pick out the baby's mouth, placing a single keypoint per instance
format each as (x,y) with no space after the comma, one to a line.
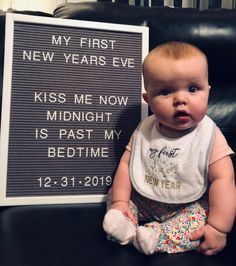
(181,116)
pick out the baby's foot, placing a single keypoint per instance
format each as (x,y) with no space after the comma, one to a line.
(119,227)
(147,238)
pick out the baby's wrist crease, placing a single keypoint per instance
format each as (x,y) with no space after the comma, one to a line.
(219,230)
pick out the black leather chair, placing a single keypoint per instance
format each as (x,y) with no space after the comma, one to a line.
(72,235)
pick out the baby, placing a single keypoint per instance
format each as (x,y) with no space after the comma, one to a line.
(175,181)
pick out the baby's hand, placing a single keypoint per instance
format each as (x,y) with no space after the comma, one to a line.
(214,240)
(124,208)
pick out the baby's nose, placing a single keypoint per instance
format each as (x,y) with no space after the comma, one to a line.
(180,98)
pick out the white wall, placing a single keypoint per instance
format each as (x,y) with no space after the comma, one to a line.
(37,5)
(5,4)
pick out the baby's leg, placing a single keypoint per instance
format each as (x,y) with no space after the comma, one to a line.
(172,236)
(119,227)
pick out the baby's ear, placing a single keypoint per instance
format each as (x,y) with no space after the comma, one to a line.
(145,97)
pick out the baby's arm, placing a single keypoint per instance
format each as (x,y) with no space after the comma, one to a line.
(222,198)
(121,188)
(222,206)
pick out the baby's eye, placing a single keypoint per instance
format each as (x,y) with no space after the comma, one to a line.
(165,92)
(193,89)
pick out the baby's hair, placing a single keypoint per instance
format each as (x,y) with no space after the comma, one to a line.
(177,50)
(173,50)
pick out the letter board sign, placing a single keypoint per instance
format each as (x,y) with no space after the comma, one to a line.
(71,100)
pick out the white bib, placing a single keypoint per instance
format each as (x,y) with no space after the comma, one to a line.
(171,170)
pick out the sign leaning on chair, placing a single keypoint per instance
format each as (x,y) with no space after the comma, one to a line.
(71,99)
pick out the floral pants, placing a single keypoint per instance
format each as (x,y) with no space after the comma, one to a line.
(174,221)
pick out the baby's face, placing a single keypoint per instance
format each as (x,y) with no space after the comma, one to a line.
(177,91)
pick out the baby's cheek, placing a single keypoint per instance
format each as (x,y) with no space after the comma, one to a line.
(200,114)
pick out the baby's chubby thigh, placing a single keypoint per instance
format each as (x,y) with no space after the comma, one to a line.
(176,230)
